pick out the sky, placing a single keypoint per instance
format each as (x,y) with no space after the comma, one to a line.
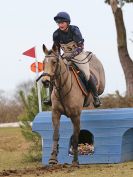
(28,23)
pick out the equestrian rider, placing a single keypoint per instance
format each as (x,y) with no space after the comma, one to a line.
(69,38)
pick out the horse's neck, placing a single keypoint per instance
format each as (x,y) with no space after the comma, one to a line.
(64,80)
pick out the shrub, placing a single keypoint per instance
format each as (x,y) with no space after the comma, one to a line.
(116,101)
(30,107)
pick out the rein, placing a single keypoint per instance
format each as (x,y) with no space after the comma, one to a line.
(61,85)
(77,61)
(56,69)
(58,75)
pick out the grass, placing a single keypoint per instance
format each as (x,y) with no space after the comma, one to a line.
(12,149)
(13,146)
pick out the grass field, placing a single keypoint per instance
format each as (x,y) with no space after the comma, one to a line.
(13,146)
(12,149)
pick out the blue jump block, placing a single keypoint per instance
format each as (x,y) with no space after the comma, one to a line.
(111,131)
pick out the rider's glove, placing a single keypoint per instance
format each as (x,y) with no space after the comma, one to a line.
(76,52)
(68,58)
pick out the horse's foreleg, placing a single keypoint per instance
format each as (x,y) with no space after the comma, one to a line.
(55,148)
(76,131)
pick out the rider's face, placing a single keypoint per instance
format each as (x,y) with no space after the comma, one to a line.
(63,26)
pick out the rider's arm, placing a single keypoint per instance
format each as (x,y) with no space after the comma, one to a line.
(78,49)
(77,37)
(56,40)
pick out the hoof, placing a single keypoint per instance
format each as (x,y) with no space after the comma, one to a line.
(75,164)
(53,161)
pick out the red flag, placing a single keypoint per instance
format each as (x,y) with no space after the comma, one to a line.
(30,52)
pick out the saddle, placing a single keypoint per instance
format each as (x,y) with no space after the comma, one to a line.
(81,79)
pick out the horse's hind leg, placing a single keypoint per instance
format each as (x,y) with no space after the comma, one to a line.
(56,124)
(76,131)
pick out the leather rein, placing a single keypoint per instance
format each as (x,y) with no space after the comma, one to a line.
(58,75)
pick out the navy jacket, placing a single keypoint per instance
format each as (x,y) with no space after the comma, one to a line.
(73,34)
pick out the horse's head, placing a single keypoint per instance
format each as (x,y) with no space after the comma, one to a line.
(51,62)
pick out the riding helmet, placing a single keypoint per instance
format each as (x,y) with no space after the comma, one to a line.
(62,17)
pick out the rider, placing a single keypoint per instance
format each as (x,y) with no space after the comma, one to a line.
(69,38)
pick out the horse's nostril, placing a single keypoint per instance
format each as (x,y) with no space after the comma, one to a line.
(46,83)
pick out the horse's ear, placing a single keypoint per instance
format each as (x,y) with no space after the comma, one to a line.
(55,48)
(45,50)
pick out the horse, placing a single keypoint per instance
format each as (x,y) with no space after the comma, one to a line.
(67,97)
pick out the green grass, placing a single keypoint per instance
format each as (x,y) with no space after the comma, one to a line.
(13,146)
(12,149)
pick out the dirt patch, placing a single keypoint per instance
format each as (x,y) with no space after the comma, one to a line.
(36,171)
(100,170)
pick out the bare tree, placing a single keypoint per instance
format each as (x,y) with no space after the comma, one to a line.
(10,109)
(125,59)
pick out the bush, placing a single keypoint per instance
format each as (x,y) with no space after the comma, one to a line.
(116,101)
(10,109)
(30,107)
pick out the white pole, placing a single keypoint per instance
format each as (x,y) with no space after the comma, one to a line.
(38,87)
(47,92)
(38,91)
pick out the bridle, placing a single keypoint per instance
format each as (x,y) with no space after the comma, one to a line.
(57,76)
(57,72)
(60,86)
(46,74)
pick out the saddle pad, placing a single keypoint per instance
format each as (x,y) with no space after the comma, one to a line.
(79,81)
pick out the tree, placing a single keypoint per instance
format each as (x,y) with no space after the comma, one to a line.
(10,109)
(125,59)
(30,107)
(25,87)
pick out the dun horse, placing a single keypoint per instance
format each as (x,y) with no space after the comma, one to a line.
(67,97)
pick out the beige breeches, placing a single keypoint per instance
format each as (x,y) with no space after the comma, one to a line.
(85,69)
(83,65)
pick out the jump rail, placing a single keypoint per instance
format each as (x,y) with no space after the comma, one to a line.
(111,130)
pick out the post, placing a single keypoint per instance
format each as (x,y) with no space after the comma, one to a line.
(38,87)
(47,93)
(38,92)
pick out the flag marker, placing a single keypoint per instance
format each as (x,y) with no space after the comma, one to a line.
(35,67)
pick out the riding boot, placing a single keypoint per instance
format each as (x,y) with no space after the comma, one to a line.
(47,100)
(93,89)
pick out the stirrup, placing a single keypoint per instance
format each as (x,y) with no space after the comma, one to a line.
(97,101)
(47,102)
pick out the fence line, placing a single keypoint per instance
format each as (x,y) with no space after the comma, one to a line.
(14,124)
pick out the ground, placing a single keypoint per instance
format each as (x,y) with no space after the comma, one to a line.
(13,146)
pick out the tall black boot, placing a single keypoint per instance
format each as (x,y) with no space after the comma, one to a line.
(92,87)
(47,101)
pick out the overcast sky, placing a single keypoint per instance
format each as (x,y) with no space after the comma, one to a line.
(28,23)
